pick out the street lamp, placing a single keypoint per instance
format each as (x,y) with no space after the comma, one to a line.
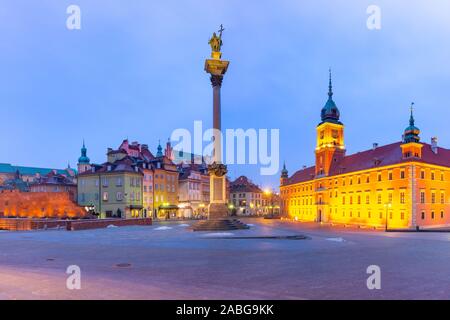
(387,206)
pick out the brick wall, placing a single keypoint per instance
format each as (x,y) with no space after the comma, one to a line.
(39,205)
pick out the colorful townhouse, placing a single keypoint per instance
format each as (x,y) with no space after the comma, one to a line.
(132,183)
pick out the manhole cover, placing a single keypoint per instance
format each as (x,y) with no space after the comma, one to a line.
(123,265)
(50,259)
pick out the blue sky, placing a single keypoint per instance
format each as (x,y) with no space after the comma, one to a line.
(135,70)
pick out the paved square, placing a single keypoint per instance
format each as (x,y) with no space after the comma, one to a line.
(168,261)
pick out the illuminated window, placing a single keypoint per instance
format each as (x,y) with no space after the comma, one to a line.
(359,199)
(379,199)
(367,199)
(369,215)
(442,197)
(402,216)
(105,196)
(390,197)
(433,197)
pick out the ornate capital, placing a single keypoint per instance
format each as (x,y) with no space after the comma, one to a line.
(216,80)
(217,169)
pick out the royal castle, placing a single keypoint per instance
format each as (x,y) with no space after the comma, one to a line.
(403,185)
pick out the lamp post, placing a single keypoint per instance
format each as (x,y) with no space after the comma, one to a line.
(387,206)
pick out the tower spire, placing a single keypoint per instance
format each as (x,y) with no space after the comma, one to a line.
(411,118)
(330,85)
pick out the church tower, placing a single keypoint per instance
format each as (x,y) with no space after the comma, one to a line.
(411,146)
(284,175)
(330,136)
(168,151)
(83,161)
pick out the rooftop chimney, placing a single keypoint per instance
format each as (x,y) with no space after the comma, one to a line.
(375,146)
(434,145)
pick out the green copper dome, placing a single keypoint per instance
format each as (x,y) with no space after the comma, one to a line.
(159,153)
(411,132)
(330,112)
(84,158)
(284,172)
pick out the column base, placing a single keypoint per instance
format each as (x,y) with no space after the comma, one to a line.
(217,211)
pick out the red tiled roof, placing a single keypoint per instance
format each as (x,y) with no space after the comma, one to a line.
(243,184)
(379,157)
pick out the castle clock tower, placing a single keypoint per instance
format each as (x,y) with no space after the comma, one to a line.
(330,136)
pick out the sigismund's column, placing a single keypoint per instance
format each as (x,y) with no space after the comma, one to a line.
(217,68)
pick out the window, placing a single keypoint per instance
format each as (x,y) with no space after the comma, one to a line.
(433,197)
(402,216)
(422,174)
(442,214)
(379,199)
(402,197)
(442,197)
(432,214)
(390,175)
(367,199)
(119,196)
(119,182)
(343,200)
(359,199)
(379,176)
(367,179)
(390,197)
(432,175)
(422,196)
(105,196)
(402,174)
(423,215)
(105,182)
